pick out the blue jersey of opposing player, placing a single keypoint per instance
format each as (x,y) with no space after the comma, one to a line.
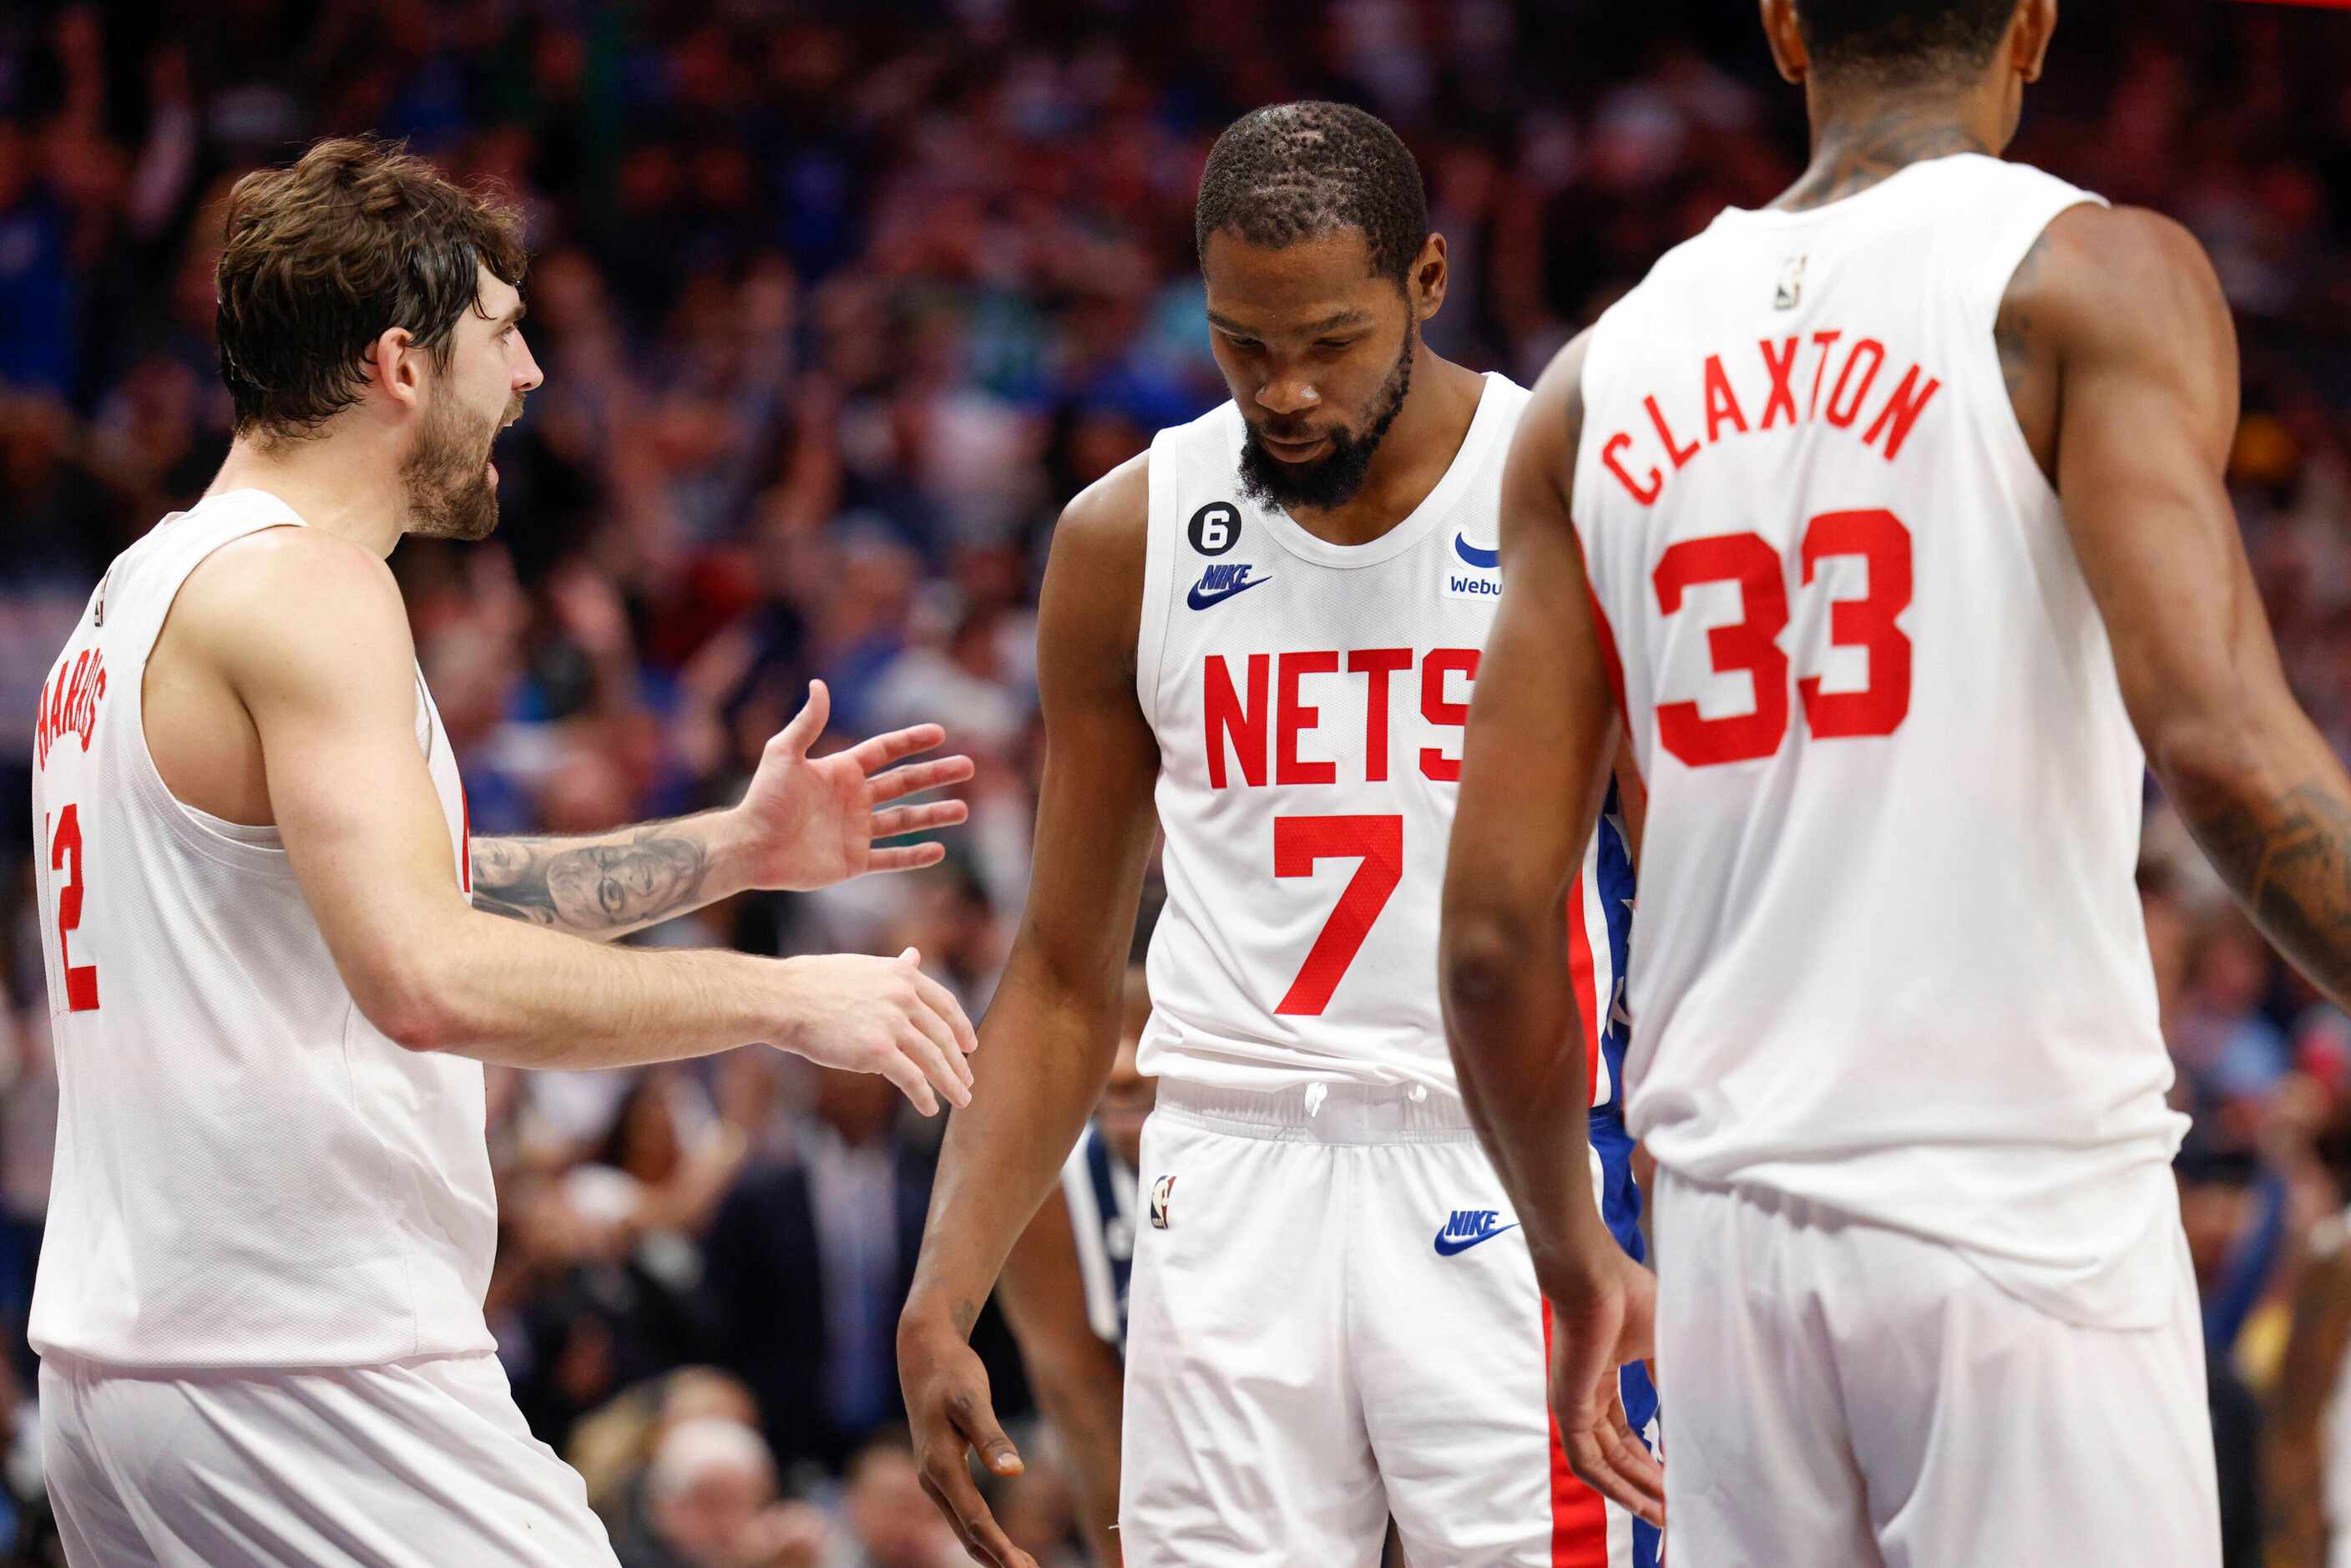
(1099,1189)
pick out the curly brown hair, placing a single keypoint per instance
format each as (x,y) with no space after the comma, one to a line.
(322,258)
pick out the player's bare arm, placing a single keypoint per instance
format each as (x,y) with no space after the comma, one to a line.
(2294,1439)
(1079,1384)
(2122,361)
(1053,1026)
(1535,769)
(806,821)
(305,634)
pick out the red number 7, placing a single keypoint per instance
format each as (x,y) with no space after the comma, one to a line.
(1297,843)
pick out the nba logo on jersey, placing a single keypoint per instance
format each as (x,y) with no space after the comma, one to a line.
(1159,1191)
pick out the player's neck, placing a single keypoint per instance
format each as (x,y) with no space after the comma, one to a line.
(1419,448)
(341,484)
(1861,137)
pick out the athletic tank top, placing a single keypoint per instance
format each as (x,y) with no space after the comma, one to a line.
(1891,953)
(1309,700)
(248,1172)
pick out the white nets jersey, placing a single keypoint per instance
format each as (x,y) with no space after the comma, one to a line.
(1309,700)
(248,1173)
(1892,957)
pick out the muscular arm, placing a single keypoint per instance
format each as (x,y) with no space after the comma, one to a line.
(2120,311)
(1534,770)
(1078,1381)
(1052,1030)
(308,634)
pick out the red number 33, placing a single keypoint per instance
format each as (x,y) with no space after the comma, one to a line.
(1752,643)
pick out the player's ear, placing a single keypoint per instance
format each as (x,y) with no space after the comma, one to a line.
(1426,287)
(2028,36)
(1787,40)
(395,364)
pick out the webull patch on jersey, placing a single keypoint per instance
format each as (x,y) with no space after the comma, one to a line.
(1473,573)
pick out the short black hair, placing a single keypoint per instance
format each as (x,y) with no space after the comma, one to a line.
(1295,172)
(1903,40)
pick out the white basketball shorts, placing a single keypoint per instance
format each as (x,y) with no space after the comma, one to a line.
(1332,1318)
(419,1464)
(1864,1396)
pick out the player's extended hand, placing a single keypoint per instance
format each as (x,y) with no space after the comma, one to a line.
(865,1014)
(949,1406)
(811,821)
(1603,1317)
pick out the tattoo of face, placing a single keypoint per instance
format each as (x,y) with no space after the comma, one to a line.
(2290,861)
(597,886)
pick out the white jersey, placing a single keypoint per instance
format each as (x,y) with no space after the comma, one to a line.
(1309,700)
(248,1172)
(1892,957)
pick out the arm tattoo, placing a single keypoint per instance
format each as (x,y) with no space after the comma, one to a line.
(591,886)
(2289,859)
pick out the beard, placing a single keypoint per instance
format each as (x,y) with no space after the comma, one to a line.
(1333,480)
(444,484)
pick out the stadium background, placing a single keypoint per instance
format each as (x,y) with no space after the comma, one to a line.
(837,303)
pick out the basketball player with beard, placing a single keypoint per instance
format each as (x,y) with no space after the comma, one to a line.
(275,957)
(1268,626)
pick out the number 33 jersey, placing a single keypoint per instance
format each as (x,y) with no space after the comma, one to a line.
(1892,955)
(1309,700)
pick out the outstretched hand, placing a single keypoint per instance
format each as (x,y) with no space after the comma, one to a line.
(811,821)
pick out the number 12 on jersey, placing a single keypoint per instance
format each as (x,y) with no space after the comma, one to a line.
(1751,644)
(65,856)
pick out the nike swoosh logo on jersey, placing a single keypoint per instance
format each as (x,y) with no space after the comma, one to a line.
(1485,559)
(1463,1231)
(1220,583)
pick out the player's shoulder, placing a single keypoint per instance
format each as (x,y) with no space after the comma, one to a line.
(1108,521)
(288,598)
(2092,252)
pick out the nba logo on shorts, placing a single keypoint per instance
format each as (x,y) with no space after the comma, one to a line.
(1160,1190)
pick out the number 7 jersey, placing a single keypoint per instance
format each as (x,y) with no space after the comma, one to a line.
(1892,955)
(1309,700)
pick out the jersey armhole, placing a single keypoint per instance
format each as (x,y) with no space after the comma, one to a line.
(1151,624)
(1999,270)
(192,826)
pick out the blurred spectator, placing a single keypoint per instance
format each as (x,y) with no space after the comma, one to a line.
(710,1503)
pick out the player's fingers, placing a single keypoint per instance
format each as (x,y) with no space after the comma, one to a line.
(982,1536)
(977,1420)
(900,1070)
(883,749)
(936,1062)
(920,818)
(942,1002)
(1628,1459)
(808,723)
(912,857)
(916,776)
(941,1036)
(947,1511)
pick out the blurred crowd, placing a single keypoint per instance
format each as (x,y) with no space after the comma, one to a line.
(837,304)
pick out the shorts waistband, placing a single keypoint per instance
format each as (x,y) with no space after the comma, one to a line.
(1323,1113)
